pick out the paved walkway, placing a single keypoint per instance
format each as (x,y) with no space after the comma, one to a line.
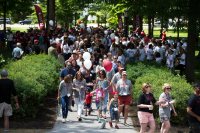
(89,124)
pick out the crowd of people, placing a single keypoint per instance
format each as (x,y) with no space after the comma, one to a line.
(85,54)
(136,47)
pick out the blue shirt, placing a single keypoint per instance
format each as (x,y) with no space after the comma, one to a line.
(17,52)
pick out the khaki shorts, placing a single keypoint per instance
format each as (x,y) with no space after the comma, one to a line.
(5,109)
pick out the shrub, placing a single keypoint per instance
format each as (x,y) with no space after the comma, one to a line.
(181,90)
(35,76)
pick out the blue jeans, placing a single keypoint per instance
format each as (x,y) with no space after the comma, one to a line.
(65,105)
(105,101)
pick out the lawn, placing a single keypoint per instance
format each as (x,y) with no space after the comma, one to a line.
(170,32)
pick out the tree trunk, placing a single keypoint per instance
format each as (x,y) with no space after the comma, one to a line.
(141,22)
(134,22)
(162,23)
(178,27)
(149,25)
(47,20)
(51,12)
(152,26)
(4,22)
(97,20)
(192,29)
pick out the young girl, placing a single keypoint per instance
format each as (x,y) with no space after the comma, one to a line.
(99,101)
(113,107)
(88,102)
(64,93)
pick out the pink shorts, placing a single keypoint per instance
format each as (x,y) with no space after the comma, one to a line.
(145,117)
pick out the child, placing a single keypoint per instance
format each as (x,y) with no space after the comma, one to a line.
(158,58)
(113,107)
(99,101)
(88,102)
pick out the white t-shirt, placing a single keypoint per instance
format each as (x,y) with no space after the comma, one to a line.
(131,52)
(182,59)
(10,37)
(159,60)
(149,54)
(124,87)
(142,54)
(170,60)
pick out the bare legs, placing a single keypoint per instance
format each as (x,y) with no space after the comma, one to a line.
(6,123)
(126,108)
(165,127)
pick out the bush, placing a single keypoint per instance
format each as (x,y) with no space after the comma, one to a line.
(34,76)
(157,76)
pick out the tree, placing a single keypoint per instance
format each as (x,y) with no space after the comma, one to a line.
(194,9)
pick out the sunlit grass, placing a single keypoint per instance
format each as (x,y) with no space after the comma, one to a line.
(170,32)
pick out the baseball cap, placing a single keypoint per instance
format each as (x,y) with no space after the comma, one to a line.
(74,52)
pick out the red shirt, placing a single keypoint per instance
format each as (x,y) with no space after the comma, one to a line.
(88,98)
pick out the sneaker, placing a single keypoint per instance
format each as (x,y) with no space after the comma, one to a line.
(79,119)
(110,123)
(103,125)
(70,110)
(126,124)
(63,120)
(99,121)
(116,127)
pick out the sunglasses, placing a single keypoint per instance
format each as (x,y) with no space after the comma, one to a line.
(168,88)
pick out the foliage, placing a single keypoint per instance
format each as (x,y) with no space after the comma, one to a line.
(1,60)
(148,73)
(66,10)
(114,12)
(35,76)
(17,9)
(43,7)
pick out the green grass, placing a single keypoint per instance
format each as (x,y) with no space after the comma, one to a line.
(21,29)
(196,53)
(170,32)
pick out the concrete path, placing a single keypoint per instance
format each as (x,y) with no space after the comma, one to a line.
(89,124)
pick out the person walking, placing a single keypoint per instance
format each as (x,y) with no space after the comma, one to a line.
(124,89)
(193,109)
(7,89)
(145,105)
(64,94)
(113,107)
(165,108)
(103,83)
(79,88)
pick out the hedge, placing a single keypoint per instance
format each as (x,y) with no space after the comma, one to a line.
(140,73)
(34,76)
